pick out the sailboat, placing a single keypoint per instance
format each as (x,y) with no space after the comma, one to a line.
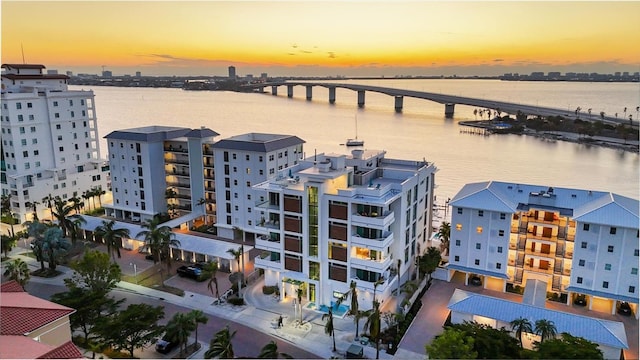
(355,142)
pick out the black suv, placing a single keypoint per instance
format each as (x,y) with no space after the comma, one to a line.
(190,272)
(624,309)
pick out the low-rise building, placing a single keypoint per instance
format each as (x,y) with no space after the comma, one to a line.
(580,242)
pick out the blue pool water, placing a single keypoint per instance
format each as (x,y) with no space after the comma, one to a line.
(338,311)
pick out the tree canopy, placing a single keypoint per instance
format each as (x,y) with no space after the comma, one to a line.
(94,271)
(568,347)
(452,344)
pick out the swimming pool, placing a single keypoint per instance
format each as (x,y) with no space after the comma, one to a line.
(338,311)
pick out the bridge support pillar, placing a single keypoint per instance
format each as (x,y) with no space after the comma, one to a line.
(274,90)
(332,95)
(361,98)
(309,92)
(448,110)
(399,101)
(290,91)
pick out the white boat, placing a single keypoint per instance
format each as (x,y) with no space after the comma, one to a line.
(355,142)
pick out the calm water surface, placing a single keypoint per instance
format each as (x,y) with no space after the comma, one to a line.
(419,132)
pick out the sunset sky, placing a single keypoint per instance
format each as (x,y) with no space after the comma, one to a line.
(323,38)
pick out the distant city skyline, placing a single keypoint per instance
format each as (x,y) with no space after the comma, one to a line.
(356,38)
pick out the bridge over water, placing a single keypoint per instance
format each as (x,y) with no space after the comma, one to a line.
(449,101)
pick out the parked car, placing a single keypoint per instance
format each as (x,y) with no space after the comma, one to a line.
(474,280)
(580,300)
(189,271)
(624,309)
(165,346)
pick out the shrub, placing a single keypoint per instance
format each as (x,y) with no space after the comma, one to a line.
(268,290)
(236,301)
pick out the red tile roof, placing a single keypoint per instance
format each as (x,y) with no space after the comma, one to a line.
(11,286)
(21,347)
(67,350)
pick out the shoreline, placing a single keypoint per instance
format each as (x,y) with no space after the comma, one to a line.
(608,142)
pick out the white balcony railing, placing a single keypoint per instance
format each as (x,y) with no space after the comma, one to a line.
(378,222)
(265,243)
(378,244)
(369,264)
(267,263)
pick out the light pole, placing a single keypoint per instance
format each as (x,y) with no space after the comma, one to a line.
(135,271)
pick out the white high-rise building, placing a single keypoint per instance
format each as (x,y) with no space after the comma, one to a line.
(241,162)
(580,242)
(161,169)
(50,144)
(333,219)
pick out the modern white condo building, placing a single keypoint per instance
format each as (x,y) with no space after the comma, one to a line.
(580,242)
(161,169)
(50,144)
(332,219)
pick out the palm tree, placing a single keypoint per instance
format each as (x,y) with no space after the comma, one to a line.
(236,255)
(112,237)
(179,328)
(87,196)
(159,239)
(221,346)
(521,325)
(379,282)
(444,232)
(212,269)
(546,329)
(18,270)
(62,212)
(99,192)
(198,317)
(34,206)
(36,229)
(328,327)
(270,351)
(74,227)
(8,242)
(54,246)
(373,325)
(48,201)
(299,295)
(354,309)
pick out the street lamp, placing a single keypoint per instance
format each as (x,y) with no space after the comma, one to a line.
(135,271)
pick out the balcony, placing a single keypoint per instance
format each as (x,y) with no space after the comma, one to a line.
(272,224)
(181,173)
(540,253)
(179,184)
(370,264)
(266,205)
(267,260)
(175,150)
(368,285)
(377,244)
(264,242)
(536,269)
(373,219)
(173,160)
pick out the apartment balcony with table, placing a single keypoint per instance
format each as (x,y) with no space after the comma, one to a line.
(268,260)
(378,240)
(370,259)
(271,242)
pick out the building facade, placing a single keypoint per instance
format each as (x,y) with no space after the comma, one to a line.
(241,162)
(333,219)
(50,143)
(580,242)
(161,169)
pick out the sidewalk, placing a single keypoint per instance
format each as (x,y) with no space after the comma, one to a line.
(260,313)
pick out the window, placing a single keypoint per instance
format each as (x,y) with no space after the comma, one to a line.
(477,262)
(479,229)
(23,142)
(613,230)
(25,153)
(55,103)
(585,227)
(503,216)
(459,210)
(61,148)
(456,258)
(610,248)
(605,284)
(581,262)
(500,232)
(457,242)
(235,169)
(635,252)
(31,117)
(478,246)
(458,227)
(634,271)
(56,115)
(247,157)
(36,152)
(607,266)
(233,156)
(33,129)
(248,183)
(20,118)
(29,105)
(498,266)
(632,289)
(18,106)
(583,245)
(579,280)
(481,213)
(34,141)
(260,158)
(500,249)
